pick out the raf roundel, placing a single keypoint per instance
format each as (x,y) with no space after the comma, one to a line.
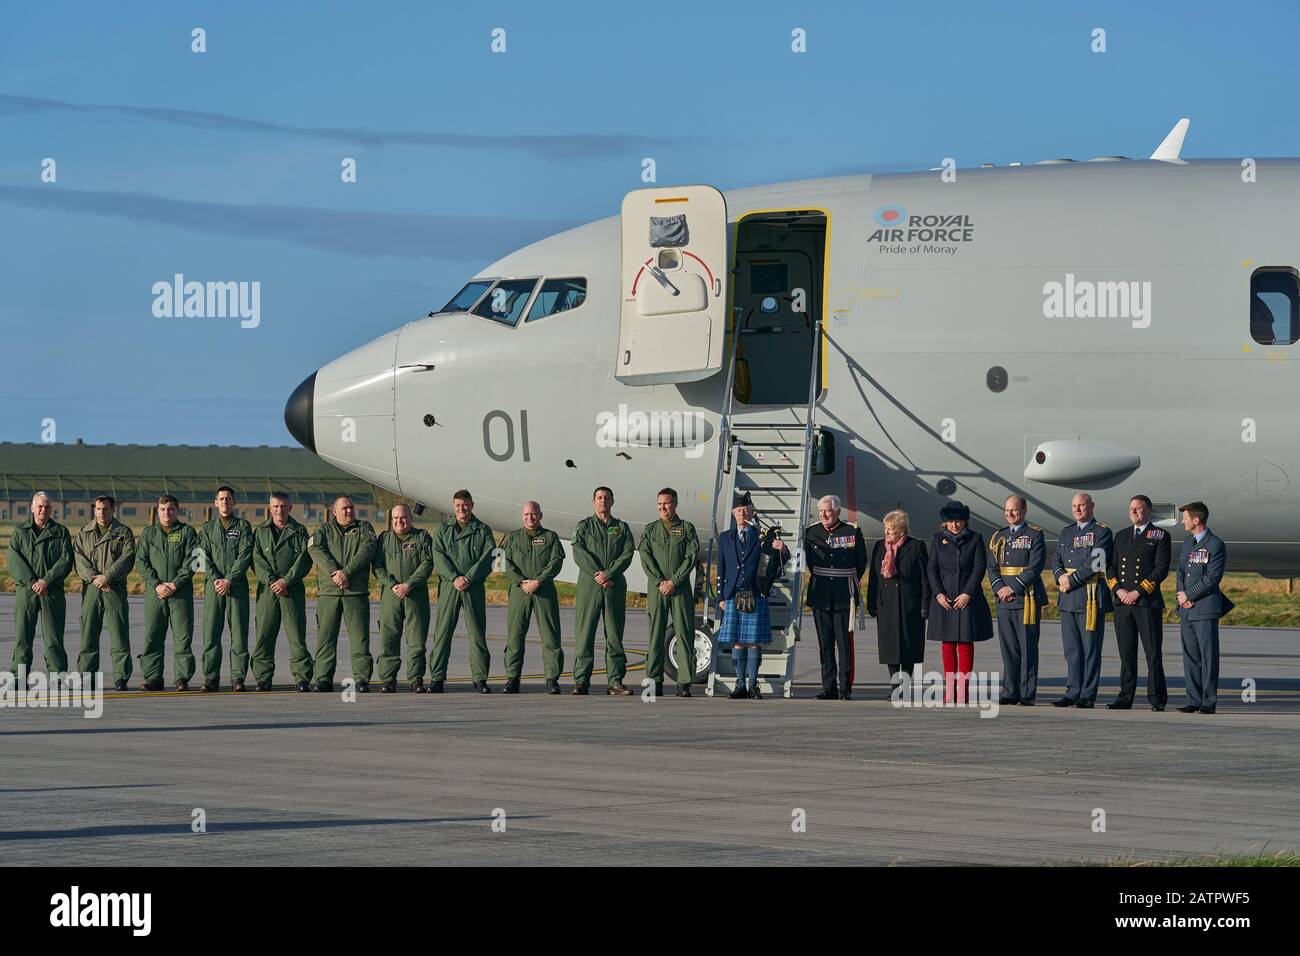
(890,216)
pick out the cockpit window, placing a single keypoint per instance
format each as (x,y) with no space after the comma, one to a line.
(505,303)
(464,300)
(558,295)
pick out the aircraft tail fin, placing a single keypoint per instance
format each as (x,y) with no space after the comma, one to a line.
(1172,144)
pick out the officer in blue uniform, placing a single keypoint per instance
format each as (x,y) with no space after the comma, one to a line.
(1017,555)
(1138,564)
(1082,554)
(1200,605)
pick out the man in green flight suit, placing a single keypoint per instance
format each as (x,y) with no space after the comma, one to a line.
(669,548)
(227,543)
(166,558)
(342,550)
(104,551)
(280,565)
(403,562)
(40,558)
(603,547)
(533,557)
(462,556)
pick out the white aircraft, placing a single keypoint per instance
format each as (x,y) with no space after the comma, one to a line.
(1112,326)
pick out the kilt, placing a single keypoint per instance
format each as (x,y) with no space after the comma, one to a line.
(754,627)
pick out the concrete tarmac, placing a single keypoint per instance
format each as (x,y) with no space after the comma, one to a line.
(304,779)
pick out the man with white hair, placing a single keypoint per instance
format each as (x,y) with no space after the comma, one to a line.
(40,558)
(836,556)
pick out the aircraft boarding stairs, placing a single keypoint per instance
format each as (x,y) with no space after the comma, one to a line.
(767,452)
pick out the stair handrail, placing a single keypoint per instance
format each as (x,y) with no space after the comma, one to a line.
(724,452)
(805,481)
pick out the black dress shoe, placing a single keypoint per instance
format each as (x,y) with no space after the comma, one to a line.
(1027,702)
(119,684)
(1064,702)
(512,685)
(363,687)
(1188,709)
(1207,710)
(303,687)
(266,685)
(740,693)
(388,687)
(683,690)
(659,688)
(1120,705)
(324,686)
(581,690)
(829,695)
(755,693)
(182,685)
(482,687)
(552,687)
(210,685)
(237,685)
(417,686)
(152,684)
(1085,704)
(1008,701)
(435,687)
(1158,707)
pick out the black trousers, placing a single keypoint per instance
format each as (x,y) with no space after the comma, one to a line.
(1132,622)
(835,640)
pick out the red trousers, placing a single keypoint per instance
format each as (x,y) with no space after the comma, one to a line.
(958,662)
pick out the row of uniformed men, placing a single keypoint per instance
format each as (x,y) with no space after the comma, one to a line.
(345,551)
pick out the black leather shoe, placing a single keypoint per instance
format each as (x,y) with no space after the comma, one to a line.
(363,687)
(1158,707)
(1189,709)
(755,693)
(417,686)
(1008,701)
(152,684)
(482,687)
(435,687)
(829,695)
(1027,702)
(683,690)
(1207,710)
(581,690)
(1120,705)
(388,687)
(1064,702)
(266,685)
(512,685)
(237,685)
(182,685)
(659,688)
(210,685)
(740,693)
(552,687)
(119,684)
(1085,704)
(324,686)
(846,695)
(303,687)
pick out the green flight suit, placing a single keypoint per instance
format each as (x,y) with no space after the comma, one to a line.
(608,548)
(111,552)
(538,556)
(168,554)
(281,553)
(668,553)
(462,550)
(348,549)
(40,554)
(228,551)
(403,559)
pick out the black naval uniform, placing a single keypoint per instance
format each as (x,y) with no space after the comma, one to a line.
(1139,562)
(837,560)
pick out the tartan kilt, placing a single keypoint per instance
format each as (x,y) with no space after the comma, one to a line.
(752,628)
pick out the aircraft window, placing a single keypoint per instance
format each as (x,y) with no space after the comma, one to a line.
(1275,306)
(464,300)
(505,303)
(558,295)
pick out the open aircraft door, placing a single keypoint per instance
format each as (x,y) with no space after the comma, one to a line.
(674,285)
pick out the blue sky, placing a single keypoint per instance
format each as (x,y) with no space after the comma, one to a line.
(225,165)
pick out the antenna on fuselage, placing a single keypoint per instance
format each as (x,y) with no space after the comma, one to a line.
(1172,144)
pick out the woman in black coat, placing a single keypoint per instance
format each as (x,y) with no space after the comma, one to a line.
(959,615)
(898,595)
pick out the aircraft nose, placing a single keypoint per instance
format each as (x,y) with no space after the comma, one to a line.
(299,411)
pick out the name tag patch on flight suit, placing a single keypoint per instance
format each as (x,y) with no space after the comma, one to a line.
(676,531)
(538,541)
(408,546)
(232,533)
(174,537)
